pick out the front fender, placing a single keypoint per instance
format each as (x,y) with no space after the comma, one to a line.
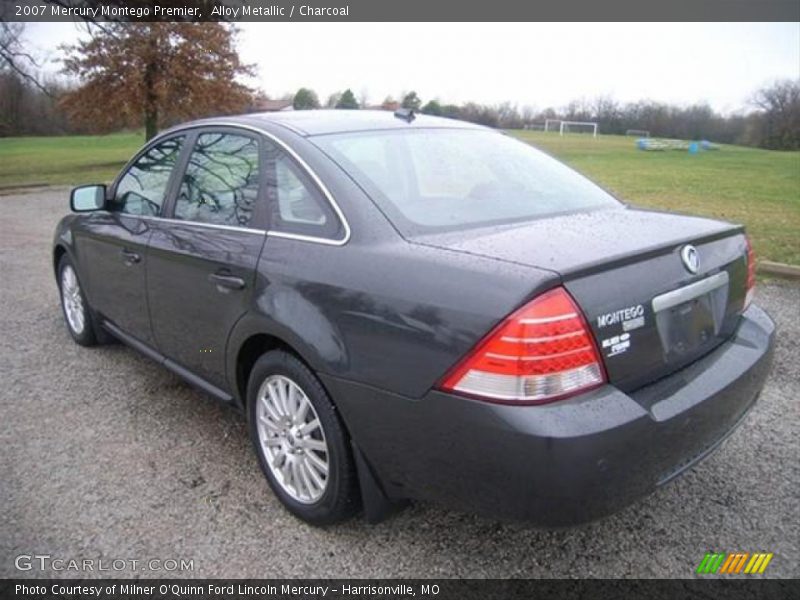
(62,241)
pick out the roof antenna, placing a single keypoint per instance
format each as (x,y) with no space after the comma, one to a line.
(407,114)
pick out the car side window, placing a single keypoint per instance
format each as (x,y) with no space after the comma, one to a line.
(296,205)
(221,182)
(143,188)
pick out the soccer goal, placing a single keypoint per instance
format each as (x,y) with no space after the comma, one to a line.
(556,123)
(578,126)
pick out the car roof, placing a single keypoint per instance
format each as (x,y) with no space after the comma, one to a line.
(320,122)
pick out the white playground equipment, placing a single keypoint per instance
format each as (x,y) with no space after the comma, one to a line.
(564,126)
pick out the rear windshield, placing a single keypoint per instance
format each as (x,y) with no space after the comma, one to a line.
(428,180)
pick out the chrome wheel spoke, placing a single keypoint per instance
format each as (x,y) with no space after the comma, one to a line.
(307,481)
(282,399)
(312,444)
(274,400)
(269,424)
(271,415)
(299,484)
(317,462)
(301,413)
(309,427)
(293,402)
(312,473)
(288,477)
(292,439)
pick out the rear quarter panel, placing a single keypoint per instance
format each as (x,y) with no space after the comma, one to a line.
(394,316)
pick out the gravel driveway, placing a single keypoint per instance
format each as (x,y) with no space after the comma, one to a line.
(107,455)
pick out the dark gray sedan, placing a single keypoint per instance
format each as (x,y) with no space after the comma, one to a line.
(419,308)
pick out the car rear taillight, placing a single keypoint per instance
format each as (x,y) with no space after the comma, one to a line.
(542,352)
(751,274)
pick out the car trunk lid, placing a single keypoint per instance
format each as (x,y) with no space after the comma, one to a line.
(649,313)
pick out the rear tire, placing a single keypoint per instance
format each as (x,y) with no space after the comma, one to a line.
(301,445)
(77,313)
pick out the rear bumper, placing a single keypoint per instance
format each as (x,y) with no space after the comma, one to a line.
(561,463)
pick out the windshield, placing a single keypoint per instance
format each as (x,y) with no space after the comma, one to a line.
(428,180)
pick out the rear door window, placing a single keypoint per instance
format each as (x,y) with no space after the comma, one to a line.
(221,183)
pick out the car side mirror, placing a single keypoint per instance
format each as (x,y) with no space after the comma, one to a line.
(87,198)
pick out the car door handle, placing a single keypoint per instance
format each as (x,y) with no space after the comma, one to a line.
(226,282)
(130,257)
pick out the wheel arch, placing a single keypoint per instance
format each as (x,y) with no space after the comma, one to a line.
(58,253)
(248,352)
(251,337)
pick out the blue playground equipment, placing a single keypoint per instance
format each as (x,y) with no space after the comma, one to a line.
(661,144)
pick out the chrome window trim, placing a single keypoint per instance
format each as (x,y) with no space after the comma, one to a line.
(202,224)
(303,164)
(689,292)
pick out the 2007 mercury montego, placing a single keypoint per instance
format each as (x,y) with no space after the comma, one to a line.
(420,308)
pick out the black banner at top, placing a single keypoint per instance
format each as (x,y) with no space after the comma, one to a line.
(400,10)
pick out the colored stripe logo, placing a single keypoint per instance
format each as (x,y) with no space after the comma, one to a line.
(734,563)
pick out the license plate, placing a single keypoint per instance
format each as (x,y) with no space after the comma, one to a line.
(689,318)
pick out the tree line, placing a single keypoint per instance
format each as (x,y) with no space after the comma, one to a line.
(153,75)
(773,122)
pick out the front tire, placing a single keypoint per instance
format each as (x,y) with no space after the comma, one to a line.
(77,314)
(300,443)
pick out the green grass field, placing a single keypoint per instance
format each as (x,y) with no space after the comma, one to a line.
(756,187)
(67,160)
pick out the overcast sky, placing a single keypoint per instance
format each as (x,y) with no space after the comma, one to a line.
(537,64)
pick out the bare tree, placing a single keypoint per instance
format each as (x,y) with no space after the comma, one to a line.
(15,57)
(779,105)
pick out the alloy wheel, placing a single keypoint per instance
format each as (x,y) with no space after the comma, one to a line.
(72,300)
(292,439)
